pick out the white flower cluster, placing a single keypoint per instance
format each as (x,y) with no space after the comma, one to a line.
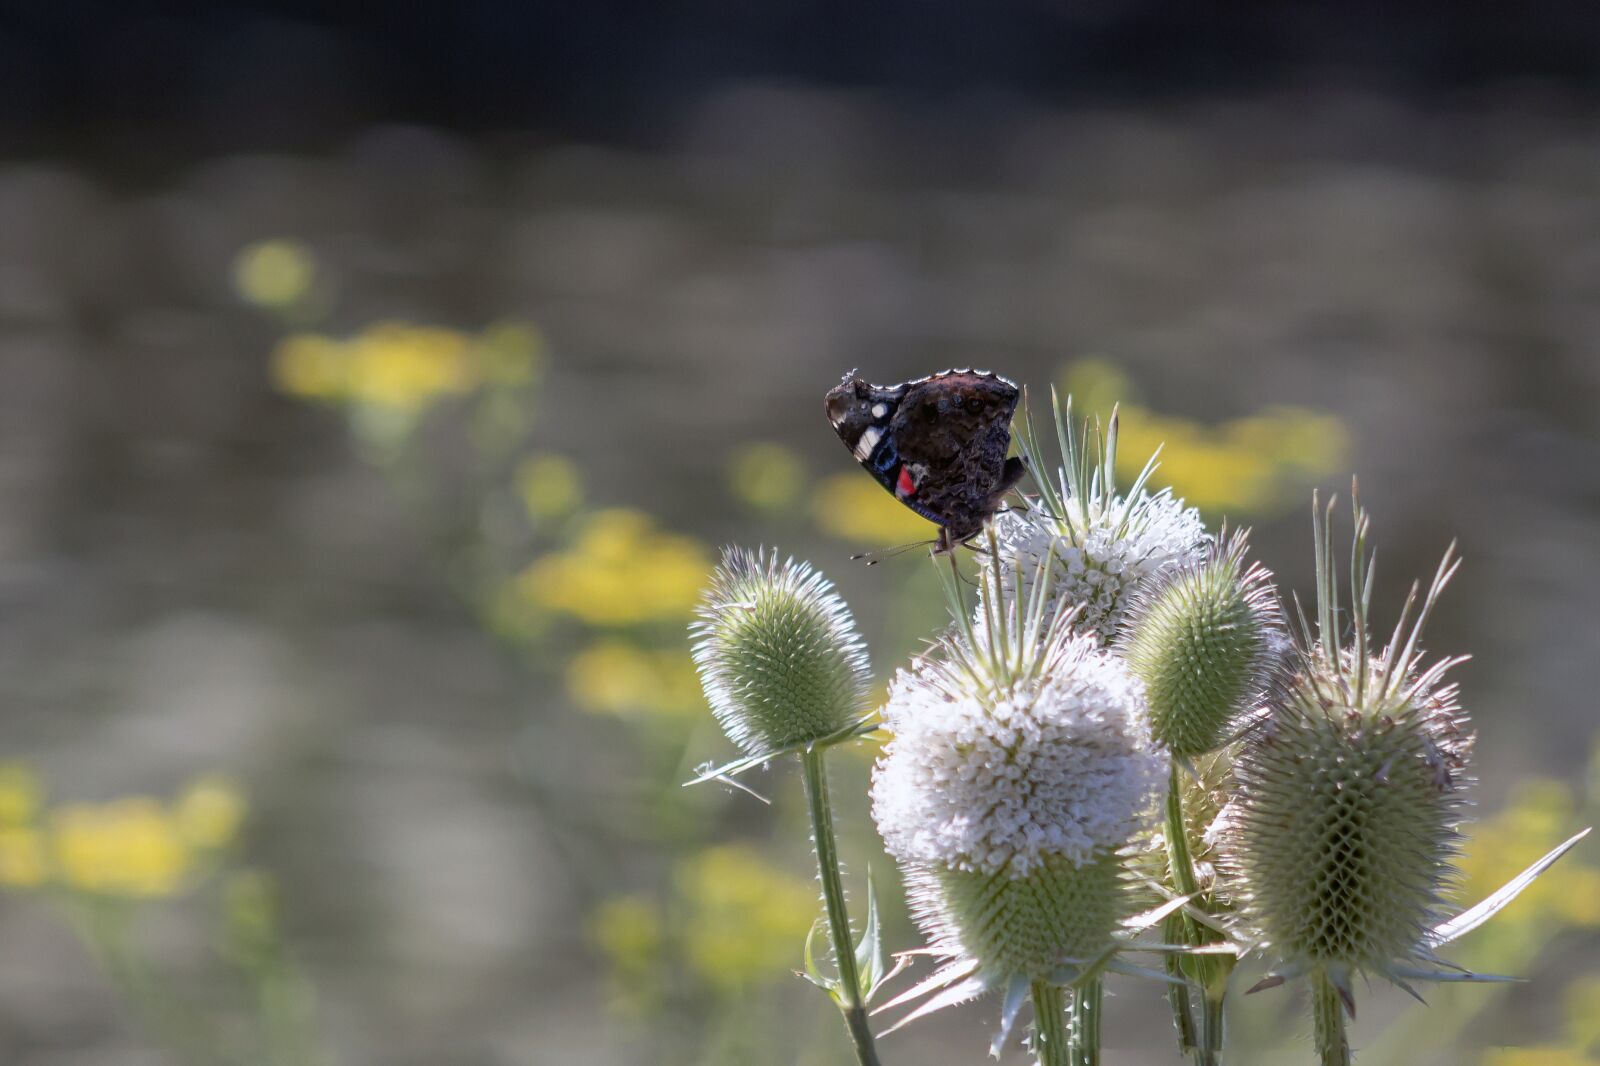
(990,776)
(1097,565)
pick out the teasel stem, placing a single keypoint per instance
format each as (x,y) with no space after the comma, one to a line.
(1200,1033)
(1086,1004)
(855,1012)
(1051,1041)
(1327,1019)
(1175,930)
(1209,1051)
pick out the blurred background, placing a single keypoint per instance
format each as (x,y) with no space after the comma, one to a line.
(376,390)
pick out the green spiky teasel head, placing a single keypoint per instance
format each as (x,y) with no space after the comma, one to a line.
(1098,546)
(1344,828)
(1205,638)
(1026,925)
(778,653)
(1019,769)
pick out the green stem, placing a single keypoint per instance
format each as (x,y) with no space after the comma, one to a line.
(104,927)
(1327,1019)
(855,1011)
(283,1002)
(1175,930)
(1178,860)
(1209,1050)
(1199,1025)
(1086,1003)
(1050,1038)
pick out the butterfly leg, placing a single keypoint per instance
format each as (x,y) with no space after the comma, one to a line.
(1010,475)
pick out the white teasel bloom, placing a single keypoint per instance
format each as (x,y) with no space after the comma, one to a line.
(990,774)
(1099,547)
(1021,766)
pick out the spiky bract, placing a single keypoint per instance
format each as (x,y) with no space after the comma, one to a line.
(1204,639)
(1097,546)
(1346,821)
(1028,926)
(1206,803)
(1350,793)
(778,652)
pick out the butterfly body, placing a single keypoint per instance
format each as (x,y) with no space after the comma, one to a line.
(938,443)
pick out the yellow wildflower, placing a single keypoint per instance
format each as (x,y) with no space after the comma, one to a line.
(614,677)
(628,929)
(747,920)
(510,353)
(400,366)
(1498,848)
(394,366)
(309,365)
(630,932)
(22,857)
(19,794)
(209,813)
(1096,385)
(854,507)
(549,486)
(129,847)
(1579,902)
(274,274)
(620,571)
(1250,465)
(767,477)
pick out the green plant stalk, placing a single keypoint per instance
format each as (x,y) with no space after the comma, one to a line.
(283,1002)
(1086,1004)
(849,993)
(103,924)
(1175,930)
(1051,1043)
(1327,1020)
(1199,1031)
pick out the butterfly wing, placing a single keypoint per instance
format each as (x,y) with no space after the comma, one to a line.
(862,414)
(938,444)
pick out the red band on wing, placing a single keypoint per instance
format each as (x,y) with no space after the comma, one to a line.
(905,486)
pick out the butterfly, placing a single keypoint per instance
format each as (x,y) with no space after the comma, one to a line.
(938,443)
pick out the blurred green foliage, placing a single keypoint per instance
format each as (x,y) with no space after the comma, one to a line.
(103,865)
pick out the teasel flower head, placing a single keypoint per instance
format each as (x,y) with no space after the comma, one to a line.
(1206,638)
(1342,836)
(1098,545)
(779,657)
(1020,768)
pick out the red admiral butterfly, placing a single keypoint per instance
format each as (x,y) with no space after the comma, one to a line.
(938,443)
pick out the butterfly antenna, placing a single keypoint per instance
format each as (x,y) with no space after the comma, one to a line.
(875,557)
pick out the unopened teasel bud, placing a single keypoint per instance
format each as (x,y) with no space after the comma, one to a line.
(778,652)
(1205,640)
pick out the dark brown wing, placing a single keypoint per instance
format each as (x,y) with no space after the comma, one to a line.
(951,433)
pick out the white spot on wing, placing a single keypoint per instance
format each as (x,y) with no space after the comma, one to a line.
(869,440)
(879,410)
